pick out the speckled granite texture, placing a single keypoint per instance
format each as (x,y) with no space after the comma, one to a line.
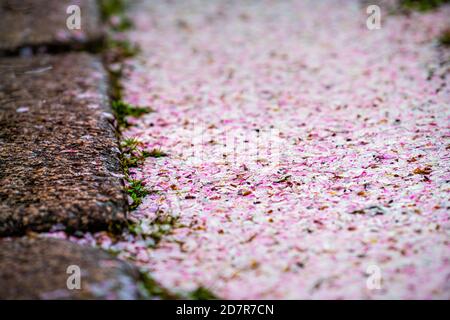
(36,268)
(59,156)
(43,22)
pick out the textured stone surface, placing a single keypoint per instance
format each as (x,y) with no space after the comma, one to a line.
(59,164)
(43,22)
(36,268)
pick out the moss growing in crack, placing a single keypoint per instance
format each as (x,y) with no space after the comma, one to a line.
(155,153)
(137,191)
(124,24)
(121,49)
(130,144)
(161,226)
(202,293)
(130,161)
(115,8)
(123,110)
(111,8)
(421,5)
(133,156)
(152,289)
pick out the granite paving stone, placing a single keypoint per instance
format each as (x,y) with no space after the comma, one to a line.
(35,23)
(59,155)
(42,268)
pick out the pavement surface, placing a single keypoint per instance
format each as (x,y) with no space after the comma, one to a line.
(308,156)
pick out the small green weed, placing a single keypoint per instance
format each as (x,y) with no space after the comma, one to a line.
(137,191)
(123,110)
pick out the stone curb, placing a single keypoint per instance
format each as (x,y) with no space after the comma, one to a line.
(42,268)
(43,23)
(59,156)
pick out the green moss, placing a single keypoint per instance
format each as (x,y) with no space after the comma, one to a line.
(115,8)
(155,153)
(162,226)
(133,156)
(202,293)
(124,24)
(130,144)
(121,49)
(422,5)
(111,8)
(130,161)
(137,191)
(123,110)
(152,289)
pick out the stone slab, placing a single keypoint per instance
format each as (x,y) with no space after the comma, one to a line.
(37,268)
(59,156)
(43,23)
